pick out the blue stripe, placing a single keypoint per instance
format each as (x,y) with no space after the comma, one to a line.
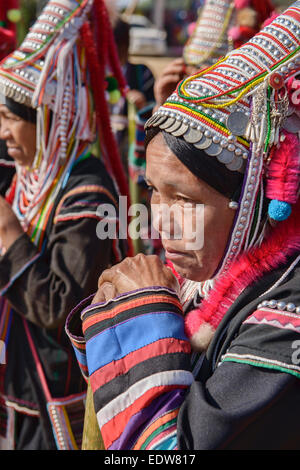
(81,357)
(169,443)
(117,342)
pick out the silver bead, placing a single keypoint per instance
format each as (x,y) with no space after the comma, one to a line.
(291,307)
(233,205)
(272,303)
(297,309)
(281,305)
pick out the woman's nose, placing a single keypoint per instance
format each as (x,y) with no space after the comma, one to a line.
(4,132)
(165,220)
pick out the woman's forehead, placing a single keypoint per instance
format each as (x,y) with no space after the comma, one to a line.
(3,108)
(162,163)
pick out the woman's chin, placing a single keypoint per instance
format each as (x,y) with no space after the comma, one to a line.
(193,273)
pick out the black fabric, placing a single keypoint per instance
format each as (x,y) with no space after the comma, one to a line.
(47,289)
(6,172)
(30,434)
(240,406)
(19,109)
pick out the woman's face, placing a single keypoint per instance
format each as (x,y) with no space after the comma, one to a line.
(20,137)
(172,184)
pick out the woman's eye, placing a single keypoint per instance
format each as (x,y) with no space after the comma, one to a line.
(180,197)
(151,189)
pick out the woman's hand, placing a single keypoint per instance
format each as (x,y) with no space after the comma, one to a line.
(137,98)
(134,273)
(10,227)
(167,82)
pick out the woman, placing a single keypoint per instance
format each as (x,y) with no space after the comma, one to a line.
(50,253)
(202,354)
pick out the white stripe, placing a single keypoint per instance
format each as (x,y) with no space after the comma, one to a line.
(261,359)
(7,163)
(126,399)
(282,278)
(22,409)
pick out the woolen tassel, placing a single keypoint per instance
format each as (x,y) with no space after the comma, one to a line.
(106,44)
(284,170)
(102,111)
(241,3)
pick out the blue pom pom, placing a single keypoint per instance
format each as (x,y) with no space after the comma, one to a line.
(279,210)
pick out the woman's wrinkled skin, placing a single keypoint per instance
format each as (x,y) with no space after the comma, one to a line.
(19,135)
(172,183)
(20,138)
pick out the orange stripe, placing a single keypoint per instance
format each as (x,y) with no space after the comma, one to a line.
(86,188)
(5,326)
(159,422)
(90,321)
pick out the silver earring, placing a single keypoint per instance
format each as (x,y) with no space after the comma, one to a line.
(233,205)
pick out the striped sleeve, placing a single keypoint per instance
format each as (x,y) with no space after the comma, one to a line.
(138,360)
(83,201)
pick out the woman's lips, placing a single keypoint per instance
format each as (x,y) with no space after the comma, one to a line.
(12,151)
(173,254)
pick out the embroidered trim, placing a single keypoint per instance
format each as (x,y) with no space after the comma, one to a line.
(275,318)
(22,409)
(261,362)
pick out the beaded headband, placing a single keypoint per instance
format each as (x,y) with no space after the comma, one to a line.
(217,110)
(224,25)
(21,73)
(60,71)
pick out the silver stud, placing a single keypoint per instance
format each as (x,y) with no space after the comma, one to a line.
(291,307)
(281,305)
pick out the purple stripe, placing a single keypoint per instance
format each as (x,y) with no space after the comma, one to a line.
(139,422)
(72,313)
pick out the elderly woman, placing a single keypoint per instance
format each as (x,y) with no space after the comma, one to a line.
(204,353)
(50,255)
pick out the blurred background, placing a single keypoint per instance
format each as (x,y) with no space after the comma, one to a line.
(158,28)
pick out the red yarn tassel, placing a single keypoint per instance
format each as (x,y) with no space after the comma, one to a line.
(98,84)
(101,107)
(284,171)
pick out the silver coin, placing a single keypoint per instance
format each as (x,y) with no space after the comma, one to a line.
(181,130)
(168,123)
(149,122)
(193,136)
(159,121)
(156,118)
(213,150)
(236,164)
(175,126)
(225,156)
(237,123)
(204,143)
